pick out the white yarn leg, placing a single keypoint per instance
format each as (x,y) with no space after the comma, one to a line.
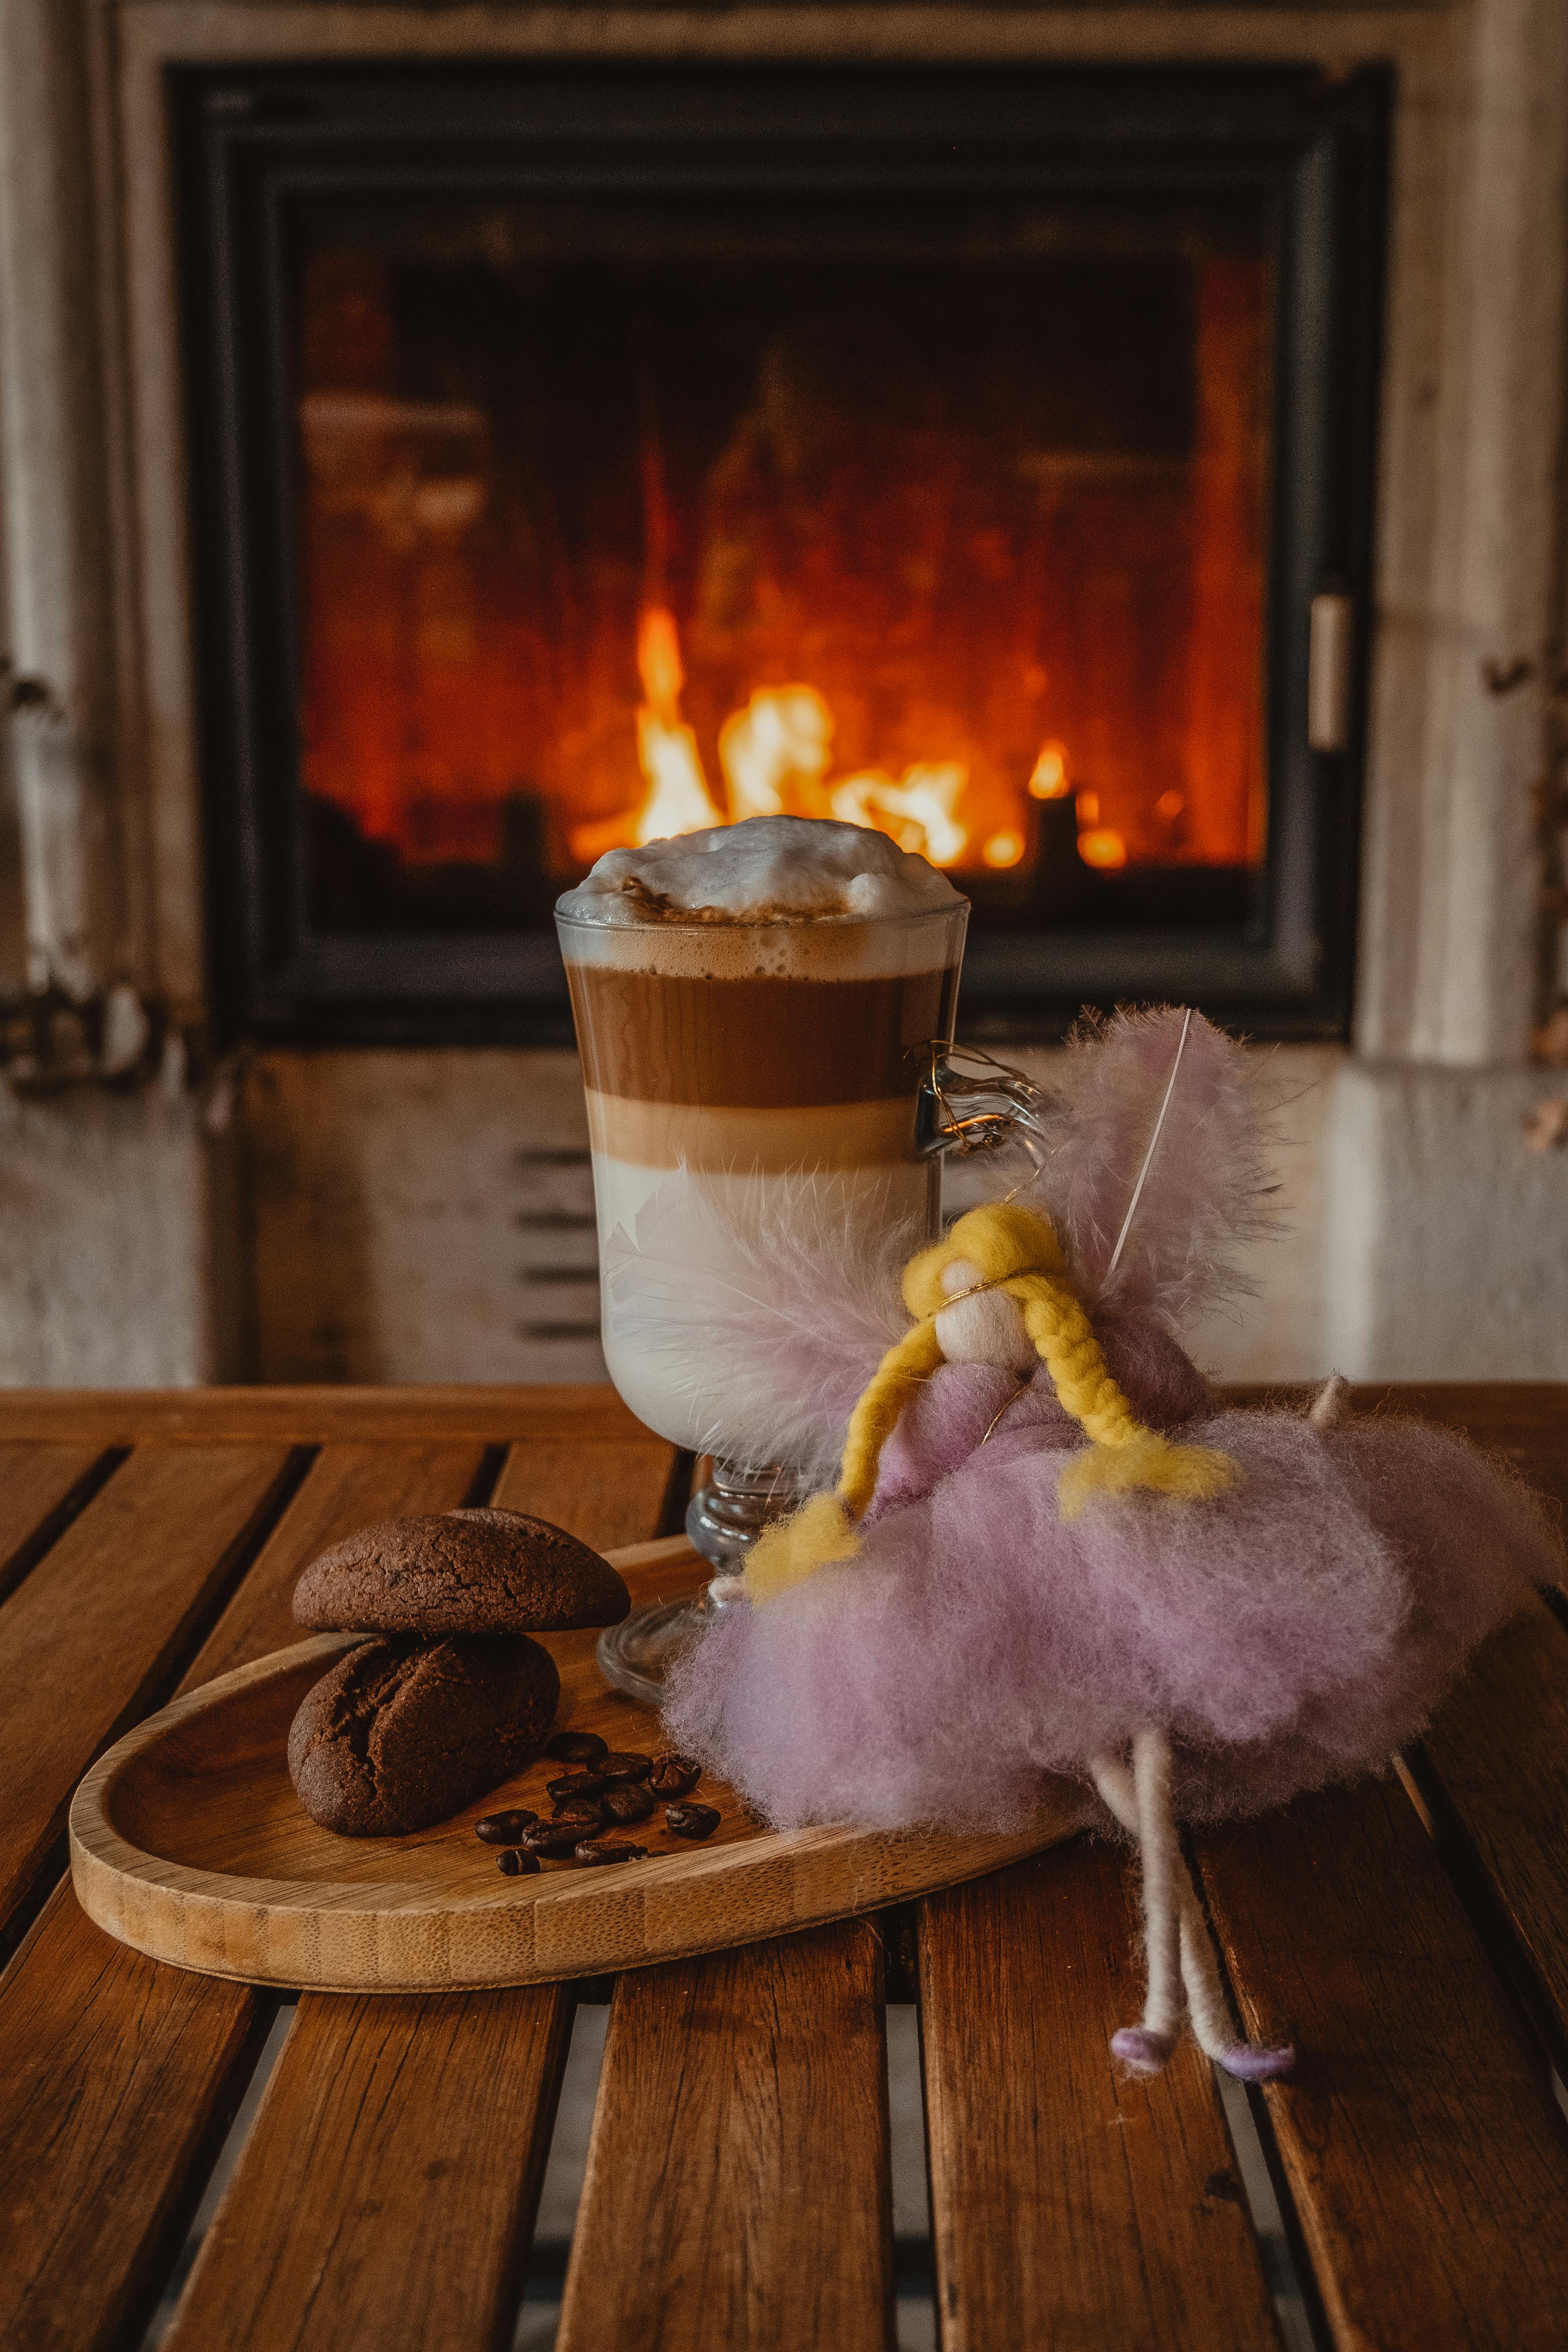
(1141,1801)
(1157,1847)
(1328,1404)
(1213,2028)
(1114,1782)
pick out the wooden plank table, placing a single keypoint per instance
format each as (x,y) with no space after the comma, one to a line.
(1410,1933)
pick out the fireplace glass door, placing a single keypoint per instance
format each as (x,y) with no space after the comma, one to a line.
(584,458)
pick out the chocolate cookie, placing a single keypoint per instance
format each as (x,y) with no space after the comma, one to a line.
(459,1572)
(402,1733)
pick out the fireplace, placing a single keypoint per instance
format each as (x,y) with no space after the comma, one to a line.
(311,1207)
(586,454)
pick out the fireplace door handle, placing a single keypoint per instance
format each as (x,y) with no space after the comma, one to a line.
(1329,661)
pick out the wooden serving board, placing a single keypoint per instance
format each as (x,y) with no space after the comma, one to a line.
(187,1841)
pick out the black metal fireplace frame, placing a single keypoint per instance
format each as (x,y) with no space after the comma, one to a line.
(248,139)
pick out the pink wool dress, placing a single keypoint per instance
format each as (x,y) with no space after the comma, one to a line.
(1285,1610)
(1295,1631)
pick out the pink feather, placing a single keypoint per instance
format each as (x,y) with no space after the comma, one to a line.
(1206,1191)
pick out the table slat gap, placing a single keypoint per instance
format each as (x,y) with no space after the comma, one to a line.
(739,2182)
(89,1651)
(1528,1992)
(1419,2145)
(142,2047)
(119,2081)
(1493,1771)
(42,1489)
(1555,1597)
(347,1486)
(146,2056)
(1070,2204)
(608,1491)
(677,1493)
(481,1490)
(438,2110)
(51,1877)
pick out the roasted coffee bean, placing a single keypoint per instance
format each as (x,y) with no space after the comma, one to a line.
(673,1775)
(691,1821)
(588,1855)
(585,1819)
(626,1803)
(572,1787)
(552,1840)
(505,1829)
(576,1747)
(623,1767)
(517,1865)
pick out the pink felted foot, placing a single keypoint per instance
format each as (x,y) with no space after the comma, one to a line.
(1250,2063)
(1141,2051)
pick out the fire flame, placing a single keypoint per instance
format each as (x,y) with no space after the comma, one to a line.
(779,740)
(678,799)
(918,813)
(775,754)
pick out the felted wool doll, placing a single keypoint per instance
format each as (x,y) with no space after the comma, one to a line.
(1046,1549)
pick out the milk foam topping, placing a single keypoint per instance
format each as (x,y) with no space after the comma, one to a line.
(771,869)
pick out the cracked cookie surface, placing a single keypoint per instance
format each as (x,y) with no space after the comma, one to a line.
(402,1732)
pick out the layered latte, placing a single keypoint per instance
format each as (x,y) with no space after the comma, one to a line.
(751,1004)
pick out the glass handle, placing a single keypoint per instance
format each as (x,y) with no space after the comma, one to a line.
(983,1108)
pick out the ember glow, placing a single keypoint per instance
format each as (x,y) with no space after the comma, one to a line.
(1049,779)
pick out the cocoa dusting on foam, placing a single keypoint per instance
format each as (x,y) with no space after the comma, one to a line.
(771,869)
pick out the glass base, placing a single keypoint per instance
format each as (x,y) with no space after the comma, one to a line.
(723,1520)
(636,1655)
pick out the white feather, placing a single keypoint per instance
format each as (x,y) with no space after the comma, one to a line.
(767,1313)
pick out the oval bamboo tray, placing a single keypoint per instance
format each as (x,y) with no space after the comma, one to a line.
(187,1842)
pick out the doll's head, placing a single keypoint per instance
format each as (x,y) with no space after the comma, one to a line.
(1000,1272)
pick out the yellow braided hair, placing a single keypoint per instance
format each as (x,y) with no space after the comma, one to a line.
(1015,1250)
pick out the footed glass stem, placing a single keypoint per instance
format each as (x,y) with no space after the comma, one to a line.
(723,1520)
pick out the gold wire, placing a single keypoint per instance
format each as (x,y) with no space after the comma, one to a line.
(1005,1406)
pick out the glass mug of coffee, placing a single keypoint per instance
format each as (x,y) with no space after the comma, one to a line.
(765,1019)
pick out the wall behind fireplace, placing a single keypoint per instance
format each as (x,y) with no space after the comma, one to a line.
(399,1216)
